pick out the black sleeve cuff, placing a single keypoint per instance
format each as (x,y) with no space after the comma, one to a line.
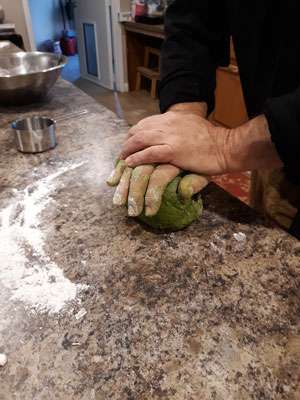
(185,89)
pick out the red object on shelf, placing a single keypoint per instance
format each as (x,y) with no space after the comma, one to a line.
(140,9)
(68,46)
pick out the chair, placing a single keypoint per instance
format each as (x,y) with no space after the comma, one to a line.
(147,72)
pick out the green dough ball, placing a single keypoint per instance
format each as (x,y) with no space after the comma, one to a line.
(174,214)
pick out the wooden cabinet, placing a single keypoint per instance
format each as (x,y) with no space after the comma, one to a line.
(230,106)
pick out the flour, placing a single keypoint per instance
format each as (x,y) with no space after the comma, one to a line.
(240,237)
(3,359)
(25,270)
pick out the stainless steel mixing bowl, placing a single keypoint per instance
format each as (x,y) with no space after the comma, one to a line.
(27,77)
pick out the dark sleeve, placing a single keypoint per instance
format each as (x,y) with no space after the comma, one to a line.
(197,41)
(283,115)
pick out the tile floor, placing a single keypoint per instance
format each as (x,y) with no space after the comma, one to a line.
(71,72)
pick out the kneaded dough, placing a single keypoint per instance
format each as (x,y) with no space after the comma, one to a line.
(174,214)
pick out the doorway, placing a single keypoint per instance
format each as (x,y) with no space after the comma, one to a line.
(54,30)
(93,22)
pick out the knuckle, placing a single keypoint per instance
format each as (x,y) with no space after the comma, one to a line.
(151,119)
(139,140)
(172,118)
(151,154)
(132,131)
(169,152)
(145,120)
(133,159)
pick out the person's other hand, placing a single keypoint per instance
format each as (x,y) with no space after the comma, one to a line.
(144,186)
(181,138)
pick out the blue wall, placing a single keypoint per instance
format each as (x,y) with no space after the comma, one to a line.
(46,21)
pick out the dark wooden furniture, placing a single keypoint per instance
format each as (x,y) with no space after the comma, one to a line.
(138,37)
(145,29)
(148,71)
(230,107)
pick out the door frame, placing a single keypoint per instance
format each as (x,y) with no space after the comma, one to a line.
(28,23)
(120,47)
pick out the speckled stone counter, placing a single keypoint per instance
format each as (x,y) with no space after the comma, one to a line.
(209,313)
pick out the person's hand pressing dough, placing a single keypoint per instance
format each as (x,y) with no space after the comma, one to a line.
(142,187)
(162,196)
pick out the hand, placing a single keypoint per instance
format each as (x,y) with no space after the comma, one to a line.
(185,139)
(181,138)
(274,195)
(145,185)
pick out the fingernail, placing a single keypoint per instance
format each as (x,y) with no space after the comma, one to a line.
(111,181)
(187,194)
(118,200)
(149,212)
(132,211)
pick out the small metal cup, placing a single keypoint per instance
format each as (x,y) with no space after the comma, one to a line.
(35,134)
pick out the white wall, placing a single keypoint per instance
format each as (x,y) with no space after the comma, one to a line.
(124,5)
(120,45)
(46,21)
(16,11)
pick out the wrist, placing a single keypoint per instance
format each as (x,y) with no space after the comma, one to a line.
(197,108)
(250,147)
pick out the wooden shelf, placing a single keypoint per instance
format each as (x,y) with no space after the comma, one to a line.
(145,29)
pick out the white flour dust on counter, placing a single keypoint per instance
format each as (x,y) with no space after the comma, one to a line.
(36,281)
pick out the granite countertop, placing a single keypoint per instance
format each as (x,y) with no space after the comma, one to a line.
(93,306)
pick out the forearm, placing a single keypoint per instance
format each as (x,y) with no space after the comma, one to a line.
(250,147)
(199,108)
(191,52)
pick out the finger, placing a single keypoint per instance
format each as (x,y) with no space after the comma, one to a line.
(277,205)
(138,185)
(139,127)
(153,122)
(191,184)
(133,131)
(283,221)
(287,209)
(141,141)
(283,207)
(160,178)
(154,154)
(121,193)
(116,174)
